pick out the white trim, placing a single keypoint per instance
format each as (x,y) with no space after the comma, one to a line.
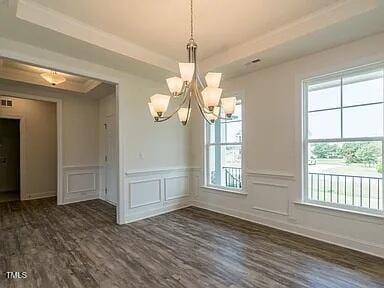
(221,189)
(144,172)
(90,189)
(42,16)
(42,62)
(271,174)
(59,131)
(133,217)
(158,180)
(306,141)
(261,183)
(23,195)
(270,211)
(83,166)
(331,238)
(178,196)
(206,145)
(356,215)
(41,195)
(309,24)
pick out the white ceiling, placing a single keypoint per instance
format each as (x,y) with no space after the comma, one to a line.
(163,26)
(148,37)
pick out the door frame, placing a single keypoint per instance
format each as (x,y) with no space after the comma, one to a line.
(22,191)
(44,62)
(115,156)
(59,138)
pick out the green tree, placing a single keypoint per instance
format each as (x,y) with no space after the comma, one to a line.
(324,150)
(360,152)
(368,153)
(348,151)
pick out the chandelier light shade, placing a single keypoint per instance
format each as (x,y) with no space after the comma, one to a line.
(160,103)
(175,85)
(153,112)
(229,105)
(184,114)
(189,88)
(53,78)
(213,79)
(187,70)
(211,97)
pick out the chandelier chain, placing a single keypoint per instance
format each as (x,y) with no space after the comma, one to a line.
(191,18)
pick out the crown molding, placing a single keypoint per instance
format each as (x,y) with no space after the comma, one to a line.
(37,14)
(321,19)
(343,10)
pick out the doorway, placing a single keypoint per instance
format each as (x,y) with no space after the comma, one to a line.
(9,159)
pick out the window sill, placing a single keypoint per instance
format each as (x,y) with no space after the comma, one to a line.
(336,211)
(222,189)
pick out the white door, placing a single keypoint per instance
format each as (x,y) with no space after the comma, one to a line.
(110,160)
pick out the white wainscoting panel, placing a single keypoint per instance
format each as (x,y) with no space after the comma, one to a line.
(271,197)
(81,183)
(144,192)
(176,187)
(153,192)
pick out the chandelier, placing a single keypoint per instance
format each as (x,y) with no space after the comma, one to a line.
(53,78)
(188,88)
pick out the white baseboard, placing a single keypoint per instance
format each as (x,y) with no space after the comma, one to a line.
(47,194)
(364,247)
(155,212)
(80,198)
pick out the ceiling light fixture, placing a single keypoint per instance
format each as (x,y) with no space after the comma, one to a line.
(189,87)
(53,78)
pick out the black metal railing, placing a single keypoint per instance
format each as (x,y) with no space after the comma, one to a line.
(232,177)
(359,191)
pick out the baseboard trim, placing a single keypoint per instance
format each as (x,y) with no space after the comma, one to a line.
(80,199)
(155,212)
(47,194)
(333,239)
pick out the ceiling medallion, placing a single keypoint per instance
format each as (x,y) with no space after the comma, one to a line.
(188,88)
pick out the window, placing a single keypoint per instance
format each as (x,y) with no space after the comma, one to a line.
(344,138)
(224,151)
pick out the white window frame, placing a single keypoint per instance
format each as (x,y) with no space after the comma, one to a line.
(306,141)
(207,145)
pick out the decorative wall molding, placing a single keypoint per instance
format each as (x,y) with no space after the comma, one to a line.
(157,191)
(91,186)
(144,202)
(184,192)
(269,184)
(270,211)
(144,172)
(81,182)
(40,15)
(271,174)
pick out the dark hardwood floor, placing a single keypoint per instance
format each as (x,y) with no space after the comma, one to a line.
(79,245)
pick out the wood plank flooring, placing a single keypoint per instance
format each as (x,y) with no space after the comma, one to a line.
(79,245)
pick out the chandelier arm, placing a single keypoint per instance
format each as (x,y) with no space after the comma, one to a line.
(203,114)
(183,89)
(199,79)
(199,97)
(165,118)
